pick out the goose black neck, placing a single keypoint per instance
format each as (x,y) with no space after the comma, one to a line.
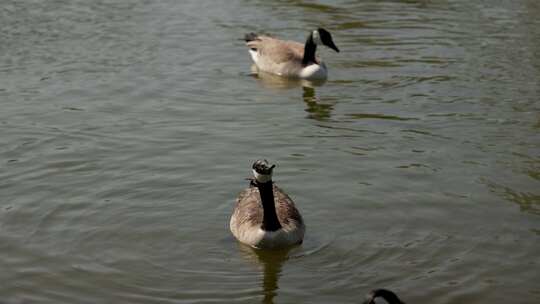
(270,219)
(309,51)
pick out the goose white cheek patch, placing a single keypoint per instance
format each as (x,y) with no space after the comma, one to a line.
(254,55)
(316,37)
(262,178)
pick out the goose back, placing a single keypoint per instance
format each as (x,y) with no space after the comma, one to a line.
(281,57)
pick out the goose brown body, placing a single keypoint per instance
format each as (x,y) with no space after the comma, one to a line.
(247,220)
(265,216)
(280,57)
(290,58)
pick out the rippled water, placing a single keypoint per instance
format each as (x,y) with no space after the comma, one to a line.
(128,127)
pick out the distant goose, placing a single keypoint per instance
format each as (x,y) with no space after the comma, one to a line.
(386,294)
(264,216)
(289,58)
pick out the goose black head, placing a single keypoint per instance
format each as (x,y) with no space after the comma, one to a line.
(262,171)
(386,294)
(322,36)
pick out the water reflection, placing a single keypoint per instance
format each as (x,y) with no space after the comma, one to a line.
(271,262)
(527,201)
(316,109)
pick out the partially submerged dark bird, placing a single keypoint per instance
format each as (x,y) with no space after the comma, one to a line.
(290,58)
(386,294)
(264,215)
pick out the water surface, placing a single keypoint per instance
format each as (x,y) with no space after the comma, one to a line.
(128,127)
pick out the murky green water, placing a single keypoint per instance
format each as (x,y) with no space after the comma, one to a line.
(127,129)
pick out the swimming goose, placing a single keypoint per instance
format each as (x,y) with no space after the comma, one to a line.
(386,294)
(290,58)
(264,215)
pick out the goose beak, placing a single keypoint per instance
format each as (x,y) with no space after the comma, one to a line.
(333,46)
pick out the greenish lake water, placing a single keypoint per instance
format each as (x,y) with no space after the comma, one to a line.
(127,128)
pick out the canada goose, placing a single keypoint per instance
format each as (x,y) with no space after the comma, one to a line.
(386,294)
(290,58)
(264,215)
